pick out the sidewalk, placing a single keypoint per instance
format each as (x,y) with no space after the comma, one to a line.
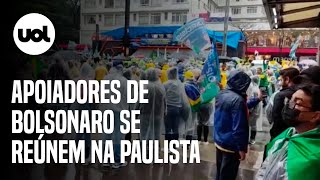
(204,171)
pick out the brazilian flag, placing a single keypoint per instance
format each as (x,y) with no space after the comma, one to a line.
(194,97)
(303,153)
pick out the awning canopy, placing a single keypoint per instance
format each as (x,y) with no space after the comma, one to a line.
(283,51)
(233,38)
(293,13)
(140,31)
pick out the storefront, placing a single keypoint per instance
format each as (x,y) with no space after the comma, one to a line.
(159,41)
(278,43)
(284,14)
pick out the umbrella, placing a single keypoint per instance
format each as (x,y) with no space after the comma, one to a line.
(223,59)
(308,62)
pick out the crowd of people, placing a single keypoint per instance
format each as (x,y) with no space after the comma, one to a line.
(293,111)
(183,105)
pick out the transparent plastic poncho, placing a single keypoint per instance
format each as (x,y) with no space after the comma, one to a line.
(176,96)
(255,112)
(274,167)
(152,113)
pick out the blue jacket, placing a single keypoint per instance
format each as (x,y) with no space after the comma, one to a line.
(231,128)
(253,102)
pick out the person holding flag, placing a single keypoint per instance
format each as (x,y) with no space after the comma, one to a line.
(209,84)
(194,35)
(194,98)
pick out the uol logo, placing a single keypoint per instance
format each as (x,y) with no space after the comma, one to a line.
(34,34)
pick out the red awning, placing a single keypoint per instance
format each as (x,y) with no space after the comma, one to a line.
(78,47)
(276,50)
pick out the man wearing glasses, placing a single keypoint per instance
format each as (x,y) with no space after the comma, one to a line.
(295,153)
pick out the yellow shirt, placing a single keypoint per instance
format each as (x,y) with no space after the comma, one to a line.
(163,76)
(101,72)
(223,79)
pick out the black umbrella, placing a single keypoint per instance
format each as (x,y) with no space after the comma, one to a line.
(224,59)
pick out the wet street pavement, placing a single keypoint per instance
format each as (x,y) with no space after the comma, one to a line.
(203,171)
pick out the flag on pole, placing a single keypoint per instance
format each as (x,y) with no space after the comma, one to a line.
(294,48)
(194,35)
(212,76)
(211,68)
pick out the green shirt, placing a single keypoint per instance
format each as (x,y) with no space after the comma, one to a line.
(263,80)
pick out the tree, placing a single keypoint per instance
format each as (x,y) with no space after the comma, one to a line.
(243,27)
(64,14)
(75,9)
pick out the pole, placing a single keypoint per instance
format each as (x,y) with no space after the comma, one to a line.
(97,37)
(165,53)
(126,40)
(97,40)
(319,47)
(226,19)
(97,32)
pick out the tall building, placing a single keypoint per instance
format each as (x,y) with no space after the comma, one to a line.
(244,14)
(109,14)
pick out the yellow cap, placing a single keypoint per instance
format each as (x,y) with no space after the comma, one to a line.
(150,65)
(165,67)
(188,75)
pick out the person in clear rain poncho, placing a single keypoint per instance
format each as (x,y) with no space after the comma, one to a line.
(254,113)
(116,73)
(204,114)
(193,93)
(58,70)
(86,73)
(129,75)
(175,101)
(101,70)
(152,113)
(73,70)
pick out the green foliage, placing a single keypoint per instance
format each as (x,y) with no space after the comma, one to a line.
(64,14)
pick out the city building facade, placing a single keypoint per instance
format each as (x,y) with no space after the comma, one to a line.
(248,16)
(243,15)
(109,14)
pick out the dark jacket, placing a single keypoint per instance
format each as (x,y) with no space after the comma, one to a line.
(253,102)
(278,125)
(231,129)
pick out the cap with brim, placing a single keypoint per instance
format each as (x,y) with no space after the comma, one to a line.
(310,75)
(301,79)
